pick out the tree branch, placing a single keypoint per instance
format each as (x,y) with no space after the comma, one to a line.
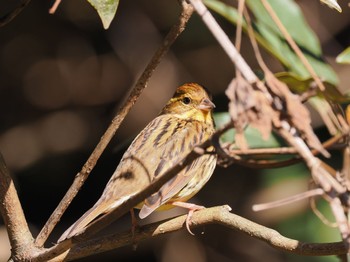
(289,200)
(246,157)
(141,84)
(21,239)
(215,215)
(15,12)
(54,6)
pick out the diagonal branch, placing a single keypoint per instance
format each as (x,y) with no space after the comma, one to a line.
(11,15)
(122,112)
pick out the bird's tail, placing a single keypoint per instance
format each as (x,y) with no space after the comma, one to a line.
(82,222)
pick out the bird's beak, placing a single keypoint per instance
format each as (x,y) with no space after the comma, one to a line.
(206,105)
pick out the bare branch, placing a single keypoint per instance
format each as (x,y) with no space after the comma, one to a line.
(319,214)
(283,150)
(239,156)
(11,210)
(216,215)
(122,112)
(54,6)
(289,200)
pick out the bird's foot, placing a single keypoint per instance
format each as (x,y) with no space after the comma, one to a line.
(191,208)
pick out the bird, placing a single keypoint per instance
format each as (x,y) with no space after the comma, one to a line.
(185,121)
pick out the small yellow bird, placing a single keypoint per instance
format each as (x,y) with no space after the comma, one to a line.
(185,121)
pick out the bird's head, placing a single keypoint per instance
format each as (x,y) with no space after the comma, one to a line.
(190,101)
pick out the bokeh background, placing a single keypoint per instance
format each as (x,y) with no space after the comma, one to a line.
(62,78)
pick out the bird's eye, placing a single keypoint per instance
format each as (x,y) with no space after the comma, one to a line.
(186,100)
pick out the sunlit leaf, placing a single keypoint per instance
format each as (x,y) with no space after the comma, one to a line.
(269,36)
(344,57)
(291,17)
(252,135)
(106,9)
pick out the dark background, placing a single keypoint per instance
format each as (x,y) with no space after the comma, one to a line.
(62,77)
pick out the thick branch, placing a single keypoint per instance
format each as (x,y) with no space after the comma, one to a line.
(11,210)
(122,112)
(216,215)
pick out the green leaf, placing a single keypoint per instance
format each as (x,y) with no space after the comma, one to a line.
(252,135)
(344,57)
(300,85)
(269,36)
(221,119)
(106,9)
(292,18)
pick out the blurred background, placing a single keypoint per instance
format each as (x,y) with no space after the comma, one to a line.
(62,78)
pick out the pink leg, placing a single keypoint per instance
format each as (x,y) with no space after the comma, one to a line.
(191,208)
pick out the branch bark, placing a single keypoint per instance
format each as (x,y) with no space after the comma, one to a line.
(215,215)
(21,239)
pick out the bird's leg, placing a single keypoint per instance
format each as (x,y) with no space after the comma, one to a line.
(134,225)
(191,208)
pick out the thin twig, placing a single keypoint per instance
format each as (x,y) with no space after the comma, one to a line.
(294,46)
(122,112)
(288,200)
(323,178)
(283,150)
(319,214)
(253,41)
(54,6)
(342,220)
(15,12)
(215,215)
(241,4)
(235,155)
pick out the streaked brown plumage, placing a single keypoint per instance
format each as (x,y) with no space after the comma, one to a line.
(184,122)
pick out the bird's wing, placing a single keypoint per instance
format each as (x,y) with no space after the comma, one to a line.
(174,150)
